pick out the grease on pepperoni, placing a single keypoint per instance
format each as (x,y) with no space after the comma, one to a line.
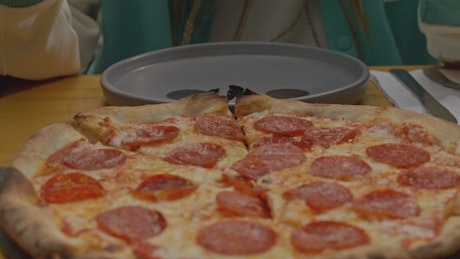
(327,137)
(339,167)
(398,155)
(71,187)
(387,203)
(319,236)
(320,196)
(283,125)
(218,126)
(251,167)
(94,159)
(164,187)
(200,154)
(239,204)
(131,223)
(148,135)
(429,178)
(237,238)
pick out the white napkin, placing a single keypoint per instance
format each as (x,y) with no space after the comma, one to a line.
(402,98)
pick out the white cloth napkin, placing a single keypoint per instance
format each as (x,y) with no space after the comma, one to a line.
(402,98)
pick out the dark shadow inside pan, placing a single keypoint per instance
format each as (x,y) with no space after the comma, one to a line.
(287,93)
(179,94)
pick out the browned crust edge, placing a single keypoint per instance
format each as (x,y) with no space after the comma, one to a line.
(446,244)
(447,132)
(209,102)
(41,145)
(30,226)
(22,221)
(34,231)
(89,122)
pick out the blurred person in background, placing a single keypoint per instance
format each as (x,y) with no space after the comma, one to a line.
(42,39)
(439,20)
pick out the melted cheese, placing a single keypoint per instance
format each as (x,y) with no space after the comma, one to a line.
(186,216)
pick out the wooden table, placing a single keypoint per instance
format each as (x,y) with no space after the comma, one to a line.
(26,107)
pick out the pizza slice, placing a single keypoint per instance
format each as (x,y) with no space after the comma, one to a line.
(368,171)
(198,130)
(70,192)
(282,179)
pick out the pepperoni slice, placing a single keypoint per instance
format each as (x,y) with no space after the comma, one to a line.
(56,159)
(201,154)
(298,141)
(214,125)
(429,178)
(94,159)
(148,135)
(145,250)
(240,204)
(71,187)
(387,203)
(320,196)
(283,125)
(164,187)
(399,155)
(237,238)
(327,137)
(251,167)
(328,235)
(131,223)
(339,167)
(279,156)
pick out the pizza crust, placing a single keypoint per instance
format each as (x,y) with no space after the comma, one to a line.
(23,219)
(91,123)
(30,226)
(41,145)
(447,243)
(447,132)
(33,229)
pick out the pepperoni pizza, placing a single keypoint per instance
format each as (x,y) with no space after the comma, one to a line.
(272,179)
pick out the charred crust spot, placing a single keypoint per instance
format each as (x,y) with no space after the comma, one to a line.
(215,90)
(237,91)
